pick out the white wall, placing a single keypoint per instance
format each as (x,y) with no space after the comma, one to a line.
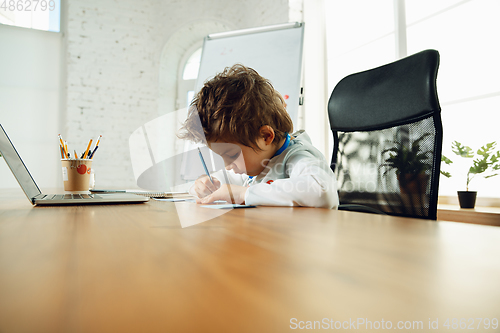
(30,69)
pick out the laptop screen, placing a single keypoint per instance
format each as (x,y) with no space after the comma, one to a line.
(16,164)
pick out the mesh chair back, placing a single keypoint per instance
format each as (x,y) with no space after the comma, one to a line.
(386,124)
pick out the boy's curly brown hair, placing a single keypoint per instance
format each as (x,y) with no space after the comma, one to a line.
(233,106)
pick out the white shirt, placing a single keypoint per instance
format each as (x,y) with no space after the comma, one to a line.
(299,176)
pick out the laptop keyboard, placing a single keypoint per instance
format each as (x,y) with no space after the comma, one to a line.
(69,196)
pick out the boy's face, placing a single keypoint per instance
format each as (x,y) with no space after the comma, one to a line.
(243,159)
(239,158)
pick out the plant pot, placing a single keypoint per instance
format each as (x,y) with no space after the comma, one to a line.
(413,184)
(467,199)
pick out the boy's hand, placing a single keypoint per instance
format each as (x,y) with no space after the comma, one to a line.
(222,193)
(203,186)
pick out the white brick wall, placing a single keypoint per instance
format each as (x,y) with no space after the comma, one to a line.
(113,55)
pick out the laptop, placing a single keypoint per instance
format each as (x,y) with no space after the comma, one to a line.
(36,197)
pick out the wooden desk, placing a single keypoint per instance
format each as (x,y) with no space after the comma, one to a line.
(132,268)
(478,215)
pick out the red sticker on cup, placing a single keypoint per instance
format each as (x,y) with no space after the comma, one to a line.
(82,169)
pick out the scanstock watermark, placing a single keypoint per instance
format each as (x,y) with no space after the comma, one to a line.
(359,177)
(449,324)
(354,324)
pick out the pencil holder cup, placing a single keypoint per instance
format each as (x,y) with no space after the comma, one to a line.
(76,174)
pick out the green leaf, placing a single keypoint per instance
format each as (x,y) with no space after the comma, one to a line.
(486,149)
(464,151)
(446,160)
(446,174)
(489,176)
(479,166)
(495,157)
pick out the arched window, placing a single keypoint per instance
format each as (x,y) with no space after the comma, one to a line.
(186,82)
(192,66)
(187,77)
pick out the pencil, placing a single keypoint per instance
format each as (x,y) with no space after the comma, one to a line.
(61,140)
(98,140)
(76,156)
(87,151)
(62,145)
(66,149)
(93,152)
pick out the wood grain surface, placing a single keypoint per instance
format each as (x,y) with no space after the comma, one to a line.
(133,268)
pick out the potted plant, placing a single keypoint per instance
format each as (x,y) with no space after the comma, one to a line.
(410,163)
(487,160)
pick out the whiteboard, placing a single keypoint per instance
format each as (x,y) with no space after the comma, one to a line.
(275,52)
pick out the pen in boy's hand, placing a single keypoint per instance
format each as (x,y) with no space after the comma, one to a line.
(204,165)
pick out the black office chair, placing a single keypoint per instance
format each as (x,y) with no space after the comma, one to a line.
(387,132)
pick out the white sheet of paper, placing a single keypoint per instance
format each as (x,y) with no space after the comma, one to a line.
(175,199)
(227,206)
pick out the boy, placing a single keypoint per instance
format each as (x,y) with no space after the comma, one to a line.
(240,117)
